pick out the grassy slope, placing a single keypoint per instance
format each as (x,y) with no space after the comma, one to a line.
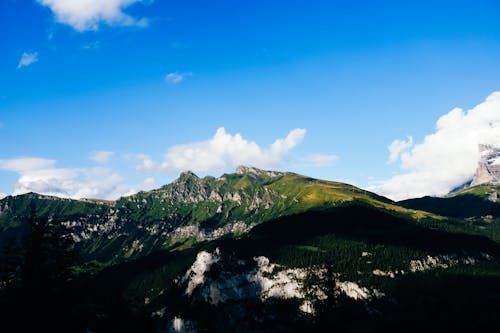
(468,202)
(48,206)
(170,207)
(481,191)
(291,193)
(471,205)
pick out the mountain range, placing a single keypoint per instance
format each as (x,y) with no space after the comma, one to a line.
(252,251)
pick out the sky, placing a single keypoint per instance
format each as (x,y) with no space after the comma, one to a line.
(105,98)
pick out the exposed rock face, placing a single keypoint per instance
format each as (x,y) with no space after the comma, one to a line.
(255,173)
(237,279)
(488,170)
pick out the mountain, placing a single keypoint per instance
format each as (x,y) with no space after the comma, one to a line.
(187,211)
(488,171)
(251,251)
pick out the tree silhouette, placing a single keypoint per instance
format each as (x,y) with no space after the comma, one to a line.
(37,274)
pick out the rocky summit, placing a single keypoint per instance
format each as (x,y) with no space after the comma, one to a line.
(488,170)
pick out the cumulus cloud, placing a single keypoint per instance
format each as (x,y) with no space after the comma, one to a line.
(176,77)
(319,160)
(27,59)
(84,15)
(222,152)
(102,156)
(2,195)
(448,157)
(42,176)
(397,147)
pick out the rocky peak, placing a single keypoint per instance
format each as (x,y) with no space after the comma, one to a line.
(188,188)
(252,171)
(186,175)
(488,170)
(242,169)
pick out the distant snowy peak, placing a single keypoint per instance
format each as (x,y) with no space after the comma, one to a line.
(488,170)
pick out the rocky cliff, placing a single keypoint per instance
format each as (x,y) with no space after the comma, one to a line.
(488,170)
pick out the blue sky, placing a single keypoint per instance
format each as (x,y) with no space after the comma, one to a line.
(142,87)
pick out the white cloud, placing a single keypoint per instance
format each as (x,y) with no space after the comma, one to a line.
(397,147)
(222,152)
(2,195)
(448,157)
(27,59)
(85,15)
(319,160)
(41,176)
(102,156)
(176,77)
(24,164)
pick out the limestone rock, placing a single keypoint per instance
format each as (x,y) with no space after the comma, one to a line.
(488,170)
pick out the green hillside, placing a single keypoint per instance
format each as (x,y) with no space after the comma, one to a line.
(253,251)
(188,210)
(478,200)
(477,206)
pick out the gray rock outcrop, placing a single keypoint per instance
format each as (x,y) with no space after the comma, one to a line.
(488,170)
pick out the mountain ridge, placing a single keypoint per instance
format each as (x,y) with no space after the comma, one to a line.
(271,249)
(187,210)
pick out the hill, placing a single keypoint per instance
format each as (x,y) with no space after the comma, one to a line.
(187,211)
(252,251)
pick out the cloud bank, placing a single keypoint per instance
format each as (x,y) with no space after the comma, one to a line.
(42,176)
(27,59)
(446,158)
(84,15)
(222,152)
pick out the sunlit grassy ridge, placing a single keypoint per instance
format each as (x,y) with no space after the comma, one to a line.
(482,191)
(145,220)
(306,193)
(286,193)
